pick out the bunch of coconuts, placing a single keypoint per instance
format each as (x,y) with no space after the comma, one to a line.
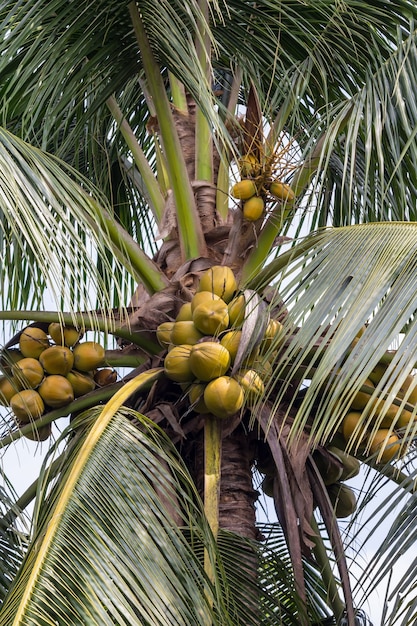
(203,343)
(48,371)
(255,185)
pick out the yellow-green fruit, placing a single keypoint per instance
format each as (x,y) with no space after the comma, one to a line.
(361,399)
(56,391)
(57,360)
(105,376)
(28,372)
(185,332)
(81,383)
(377,373)
(343,500)
(211,318)
(236,308)
(249,165)
(163,333)
(27,405)
(253,208)
(223,396)
(8,388)
(273,331)
(351,465)
(405,418)
(203,297)
(409,389)
(196,398)
(385,444)
(350,428)
(88,356)
(33,341)
(252,385)
(330,470)
(209,360)
(41,433)
(185,313)
(389,416)
(282,191)
(219,279)
(177,364)
(244,189)
(8,358)
(64,335)
(231,340)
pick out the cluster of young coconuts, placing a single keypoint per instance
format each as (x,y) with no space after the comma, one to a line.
(203,343)
(255,185)
(48,371)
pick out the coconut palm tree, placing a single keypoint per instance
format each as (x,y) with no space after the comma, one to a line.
(263,153)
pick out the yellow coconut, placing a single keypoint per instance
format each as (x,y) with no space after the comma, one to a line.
(64,335)
(231,340)
(244,189)
(208,360)
(219,279)
(236,308)
(8,358)
(385,444)
(57,360)
(203,297)
(8,388)
(27,405)
(405,418)
(185,313)
(88,356)
(163,333)
(211,318)
(282,191)
(249,165)
(81,383)
(409,389)
(361,399)
(274,333)
(29,372)
(223,397)
(253,209)
(105,376)
(33,341)
(177,364)
(56,391)
(185,332)
(252,384)
(352,430)
(196,398)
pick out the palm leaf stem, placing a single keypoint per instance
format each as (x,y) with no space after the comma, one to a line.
(88,321)
(189,226)
(129,252)
(213,428)
(141,382)
(326,571)
(204,146)
(155,197)
(179,99)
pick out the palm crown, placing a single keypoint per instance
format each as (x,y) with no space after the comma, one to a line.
(263,154)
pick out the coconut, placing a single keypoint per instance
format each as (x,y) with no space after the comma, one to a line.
(219,280)
(282,191)
(208,360)
(203,297)
(163,333)
(177,364)
(223,397)
(211,318)
(343,500)
(33,341)
(88,356)
(81,383)
(29,372)
(351,430)
(185,313)
(252,384)
(236,308)
(330,470)
(39,433)
(57,360)
(351,465)
(185,332)
(244,189)
(105,376)
(253,208)
(249,165)
(56,391)
(196,398)
(64,335)
(27,405)
(8,388)
(231,340)
(385,444)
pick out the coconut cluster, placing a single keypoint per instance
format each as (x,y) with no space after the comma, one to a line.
(254,187)
(48,371)
(202,345)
